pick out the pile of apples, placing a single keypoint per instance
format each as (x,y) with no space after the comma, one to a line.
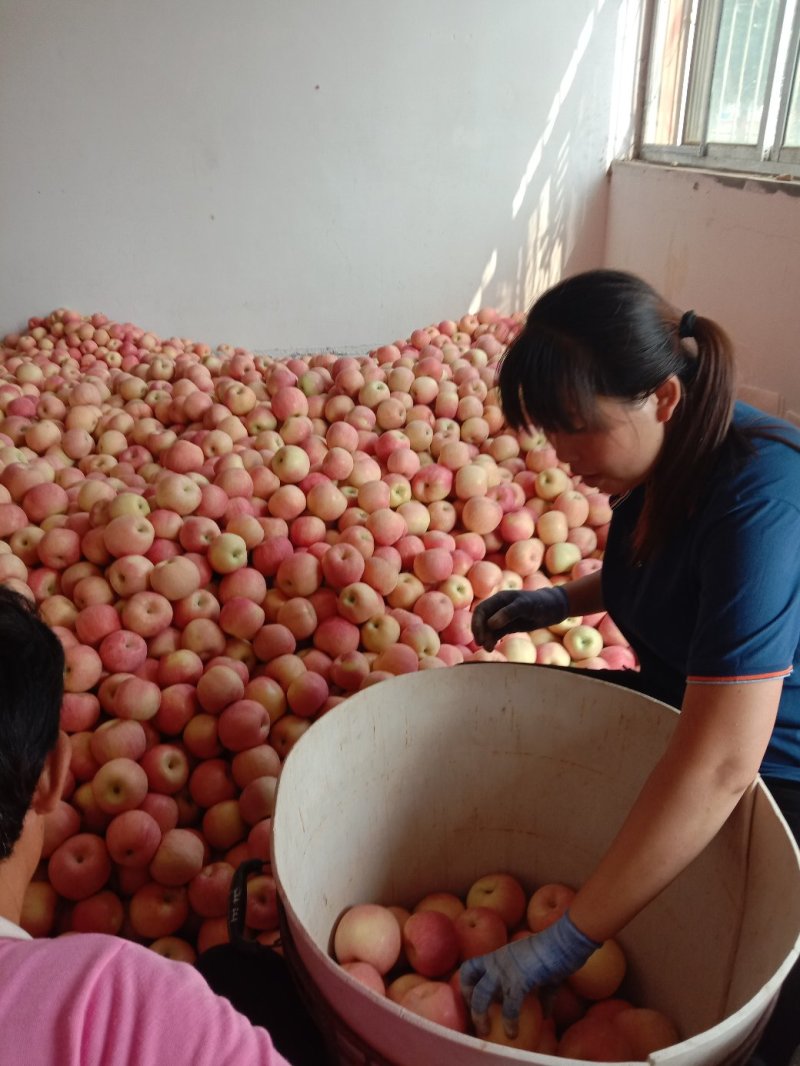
(413,958)
(229,545)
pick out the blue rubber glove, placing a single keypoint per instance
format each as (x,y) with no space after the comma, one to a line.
(514,611)
(512,971)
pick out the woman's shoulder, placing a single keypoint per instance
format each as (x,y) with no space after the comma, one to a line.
(762,457)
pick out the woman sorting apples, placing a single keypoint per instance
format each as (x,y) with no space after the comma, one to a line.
(701,573)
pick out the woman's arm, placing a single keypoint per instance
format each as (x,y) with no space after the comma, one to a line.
(712,757)
(585,595)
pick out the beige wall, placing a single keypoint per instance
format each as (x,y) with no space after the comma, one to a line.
(726,246)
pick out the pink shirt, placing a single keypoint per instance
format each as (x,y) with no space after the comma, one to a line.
(92,1000)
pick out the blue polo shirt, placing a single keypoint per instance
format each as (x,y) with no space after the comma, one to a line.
(720,604)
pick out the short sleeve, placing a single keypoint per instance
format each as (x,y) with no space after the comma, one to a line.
(143,1008)
(748,624)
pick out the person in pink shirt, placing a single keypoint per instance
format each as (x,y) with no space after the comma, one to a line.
(83,999)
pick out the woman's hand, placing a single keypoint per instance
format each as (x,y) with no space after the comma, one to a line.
(514,611)
(513,970)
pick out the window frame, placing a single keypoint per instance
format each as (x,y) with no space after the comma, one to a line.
(769,157)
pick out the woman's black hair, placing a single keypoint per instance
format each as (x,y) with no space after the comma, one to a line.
(606,333)
(31,688)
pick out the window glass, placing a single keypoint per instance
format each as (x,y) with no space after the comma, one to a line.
(742,69)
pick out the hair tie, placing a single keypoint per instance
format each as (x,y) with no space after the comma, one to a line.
(687,323)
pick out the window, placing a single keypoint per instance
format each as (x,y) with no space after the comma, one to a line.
(723,89)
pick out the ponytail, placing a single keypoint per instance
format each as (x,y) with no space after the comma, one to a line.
(693,436)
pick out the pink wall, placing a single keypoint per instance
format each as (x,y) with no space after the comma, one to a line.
(725,245)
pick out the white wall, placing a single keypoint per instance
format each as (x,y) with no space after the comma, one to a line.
(725,246)
(300,174)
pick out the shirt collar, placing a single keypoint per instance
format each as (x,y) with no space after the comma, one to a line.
(10,930)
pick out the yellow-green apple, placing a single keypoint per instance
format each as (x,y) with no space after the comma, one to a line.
(547,904)
(368,932)
(359,602)
(80,866)
(560,558)
(178,493)
(470,480)
(583,642)
(479,931)
(458,590)
(132,838)
(291,464)
(529,1027)
(602,973)
(499,892)
(380,632)
(552,528)
(227,553)
(119,785)
(551,482)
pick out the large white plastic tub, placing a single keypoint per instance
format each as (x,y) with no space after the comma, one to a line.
(430,780)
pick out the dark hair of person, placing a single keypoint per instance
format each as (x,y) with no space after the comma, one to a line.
(606,333)
(31,687)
